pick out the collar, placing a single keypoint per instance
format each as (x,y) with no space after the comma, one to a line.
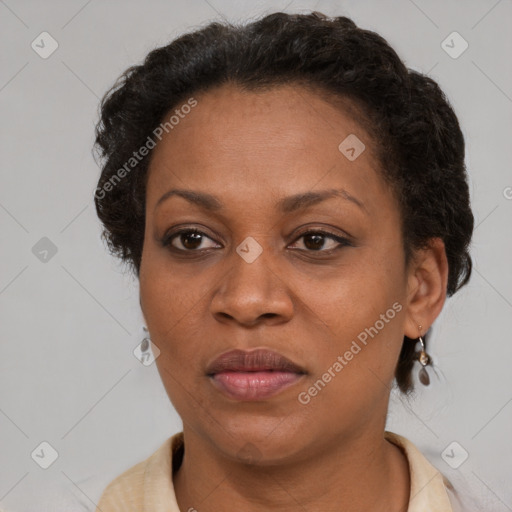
(428,485)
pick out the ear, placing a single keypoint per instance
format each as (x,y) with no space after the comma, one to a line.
(427,281)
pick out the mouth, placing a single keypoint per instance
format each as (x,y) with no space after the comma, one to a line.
(253,375)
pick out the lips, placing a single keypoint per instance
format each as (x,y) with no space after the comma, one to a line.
(253,375)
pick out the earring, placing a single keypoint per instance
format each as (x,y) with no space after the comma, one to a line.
(144,346)
(146,351)
(424,360)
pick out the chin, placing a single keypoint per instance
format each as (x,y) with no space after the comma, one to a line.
(262,440)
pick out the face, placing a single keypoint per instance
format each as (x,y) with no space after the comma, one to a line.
(297,261)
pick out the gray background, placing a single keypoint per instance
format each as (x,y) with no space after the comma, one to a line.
(69,324)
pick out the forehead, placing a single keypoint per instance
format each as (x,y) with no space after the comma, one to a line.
(248,144)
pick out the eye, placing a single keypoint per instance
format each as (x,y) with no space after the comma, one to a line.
(314,241)
(191,240)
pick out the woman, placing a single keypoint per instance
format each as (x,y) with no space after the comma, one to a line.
(293,201)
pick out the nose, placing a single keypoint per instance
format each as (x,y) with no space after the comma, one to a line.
(251,293)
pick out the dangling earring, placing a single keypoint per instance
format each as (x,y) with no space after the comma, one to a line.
(424,360)
(144,346)
(146,351)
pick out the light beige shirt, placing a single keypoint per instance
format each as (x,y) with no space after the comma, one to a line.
(148,486)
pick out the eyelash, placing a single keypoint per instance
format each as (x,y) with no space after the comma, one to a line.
(168,239)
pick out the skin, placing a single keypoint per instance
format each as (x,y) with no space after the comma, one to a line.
(252,149)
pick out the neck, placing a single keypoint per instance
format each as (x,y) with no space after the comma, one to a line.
(365,472)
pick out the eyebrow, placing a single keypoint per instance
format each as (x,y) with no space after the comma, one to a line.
(286,205)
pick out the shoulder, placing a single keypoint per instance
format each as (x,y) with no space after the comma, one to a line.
(430,489)
(126,493)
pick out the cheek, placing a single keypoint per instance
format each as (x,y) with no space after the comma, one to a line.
(167,299)
(170,302)
(171,308)
(361,307)
(354,296)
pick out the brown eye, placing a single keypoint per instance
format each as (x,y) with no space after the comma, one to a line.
(314,241)
(187,240)
(190,240)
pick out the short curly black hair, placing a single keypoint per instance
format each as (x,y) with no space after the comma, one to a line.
(415,131)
